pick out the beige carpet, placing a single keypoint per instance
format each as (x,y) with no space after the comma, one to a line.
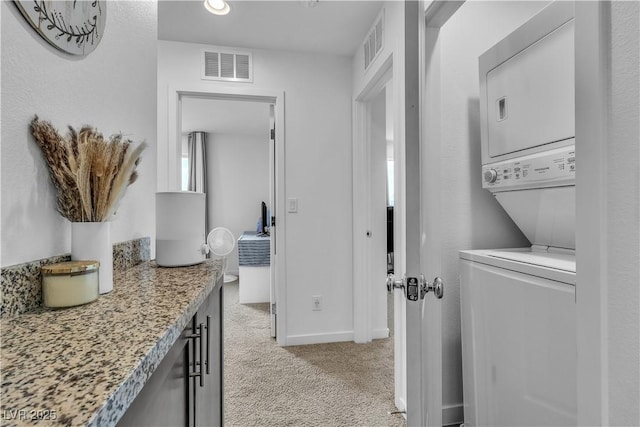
(343,384)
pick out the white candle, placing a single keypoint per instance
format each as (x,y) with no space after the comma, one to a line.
(67,284)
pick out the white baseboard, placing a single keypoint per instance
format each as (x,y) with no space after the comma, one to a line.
(380,333)
(452,414)
(320,338)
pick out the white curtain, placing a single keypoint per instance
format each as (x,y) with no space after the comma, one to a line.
(198,170)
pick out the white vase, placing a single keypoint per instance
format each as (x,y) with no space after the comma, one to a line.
(92,241)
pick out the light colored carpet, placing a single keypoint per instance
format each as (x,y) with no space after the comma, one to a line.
(342,384)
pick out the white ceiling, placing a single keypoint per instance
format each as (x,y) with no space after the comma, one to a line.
(225,116)
(331,26)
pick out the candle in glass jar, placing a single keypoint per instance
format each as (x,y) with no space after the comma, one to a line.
(68,284)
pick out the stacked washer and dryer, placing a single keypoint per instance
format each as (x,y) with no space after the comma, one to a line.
(518,305)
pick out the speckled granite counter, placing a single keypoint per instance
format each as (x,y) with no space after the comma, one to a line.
(87,364)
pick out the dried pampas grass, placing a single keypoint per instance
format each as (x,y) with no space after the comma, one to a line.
(91,174)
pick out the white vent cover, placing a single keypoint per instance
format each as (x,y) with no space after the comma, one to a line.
(227,66)
(374,42)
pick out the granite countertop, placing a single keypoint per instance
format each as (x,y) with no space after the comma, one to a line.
(85,365)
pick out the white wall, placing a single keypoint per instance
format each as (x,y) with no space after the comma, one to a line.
(318,172)
(113,89)
(623,217)
(238,180)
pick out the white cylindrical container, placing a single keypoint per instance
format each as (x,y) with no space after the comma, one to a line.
(92,240)
(180,233)
(67,284)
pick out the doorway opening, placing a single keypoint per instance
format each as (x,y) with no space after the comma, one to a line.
(381,180)
(377,225)
(233,137)
(245,162)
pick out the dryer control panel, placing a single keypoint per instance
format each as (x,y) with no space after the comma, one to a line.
(545,169)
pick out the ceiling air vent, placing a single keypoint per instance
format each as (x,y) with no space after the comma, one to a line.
(227,66)
(374,42)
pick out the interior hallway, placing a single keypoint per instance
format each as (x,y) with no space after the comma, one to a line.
(340,384)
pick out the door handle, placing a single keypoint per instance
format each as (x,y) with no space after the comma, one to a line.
(392,283)
(437,287)
(415,287)
(407,284)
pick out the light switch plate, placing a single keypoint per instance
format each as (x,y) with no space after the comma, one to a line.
(292,205)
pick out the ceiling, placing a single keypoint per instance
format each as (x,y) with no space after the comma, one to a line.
(225,116)
(326,26)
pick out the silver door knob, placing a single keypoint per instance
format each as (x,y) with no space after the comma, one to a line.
(437,287)
(392,283)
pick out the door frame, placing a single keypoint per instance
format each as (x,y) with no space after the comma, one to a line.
(363,282)
(174,124)
(592,28)
(435,17)
(592,50)
(391,66)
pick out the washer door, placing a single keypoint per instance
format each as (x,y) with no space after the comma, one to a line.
(518,348)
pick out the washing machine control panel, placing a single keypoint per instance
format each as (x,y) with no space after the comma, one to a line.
(545,169)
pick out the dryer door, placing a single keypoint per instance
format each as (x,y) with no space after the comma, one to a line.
(530,97)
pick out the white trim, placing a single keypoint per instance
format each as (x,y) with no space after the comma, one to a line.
(438,12)
(591,53)
(174,120)
(378,334)
(401,404)
(431,369)
(362,295)
(399,354)
(319,338)
(432,146)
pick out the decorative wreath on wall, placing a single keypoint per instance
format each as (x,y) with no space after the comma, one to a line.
(74,26)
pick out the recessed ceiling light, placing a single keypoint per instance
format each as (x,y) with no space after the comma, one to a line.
(217,7)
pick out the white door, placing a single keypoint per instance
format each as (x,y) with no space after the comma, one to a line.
(272,207)
(422,321)
(422,190)
(446,208)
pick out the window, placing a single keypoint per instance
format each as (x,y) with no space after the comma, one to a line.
(185,173)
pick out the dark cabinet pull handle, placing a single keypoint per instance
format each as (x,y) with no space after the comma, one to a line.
(198,337)
(208,344)
(201,331)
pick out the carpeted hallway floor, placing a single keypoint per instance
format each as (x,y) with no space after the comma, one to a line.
(343,384)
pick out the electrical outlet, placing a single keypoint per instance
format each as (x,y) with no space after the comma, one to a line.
(316,302)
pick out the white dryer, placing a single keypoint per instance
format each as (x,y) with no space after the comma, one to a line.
(518,305)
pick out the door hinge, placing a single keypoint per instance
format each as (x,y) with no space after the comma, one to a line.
(273,221)
(273,308)
(273,134)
